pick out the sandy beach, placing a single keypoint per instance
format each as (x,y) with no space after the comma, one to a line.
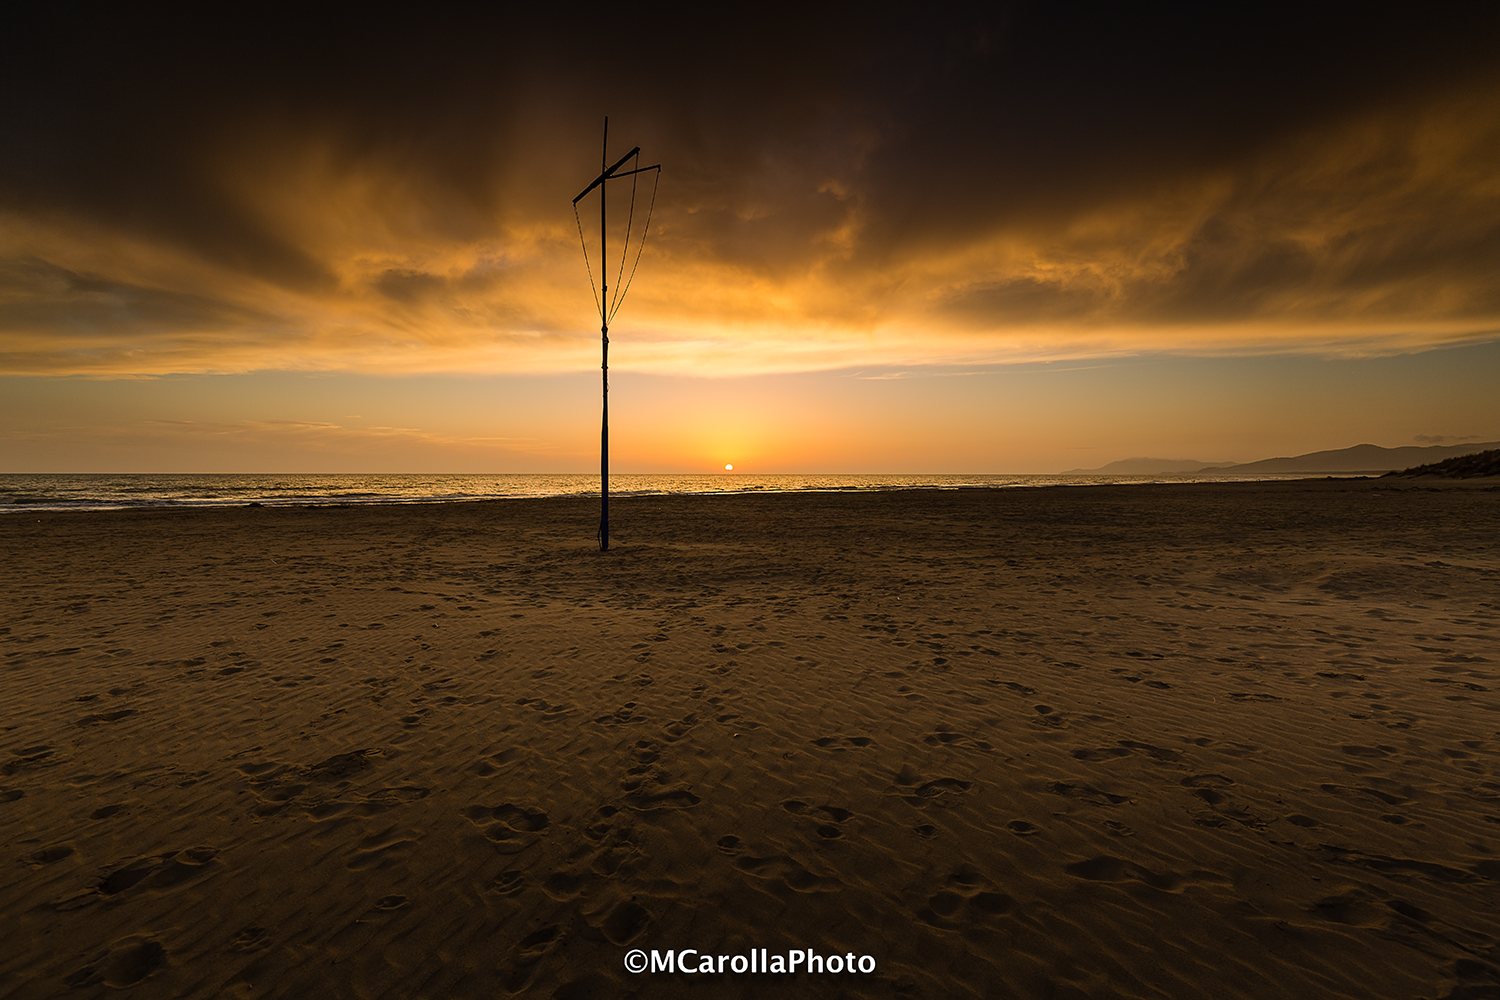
(1228,740)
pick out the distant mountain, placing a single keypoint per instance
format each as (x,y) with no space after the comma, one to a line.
(1484,463)
(1144,467)
(1361,458)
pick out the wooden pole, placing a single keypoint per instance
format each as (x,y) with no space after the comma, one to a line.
(607,173)
(604,364)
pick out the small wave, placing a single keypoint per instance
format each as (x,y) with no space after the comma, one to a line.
(62,492)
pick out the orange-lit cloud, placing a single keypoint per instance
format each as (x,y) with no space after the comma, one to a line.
(822,232)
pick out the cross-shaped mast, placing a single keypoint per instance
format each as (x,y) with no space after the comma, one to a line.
(607,174)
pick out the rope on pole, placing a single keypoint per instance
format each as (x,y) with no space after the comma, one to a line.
(656,181)
(588,267)
(614,304)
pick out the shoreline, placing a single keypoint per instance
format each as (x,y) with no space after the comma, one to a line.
(1475,483)
(272,490)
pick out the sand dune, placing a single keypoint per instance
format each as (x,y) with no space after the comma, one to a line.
(1477,464)
(1182,741)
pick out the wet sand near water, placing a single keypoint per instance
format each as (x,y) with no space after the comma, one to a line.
(1229,740)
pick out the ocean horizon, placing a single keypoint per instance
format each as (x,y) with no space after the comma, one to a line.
(20,492)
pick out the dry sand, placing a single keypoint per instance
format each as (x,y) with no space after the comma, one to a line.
(1180,741)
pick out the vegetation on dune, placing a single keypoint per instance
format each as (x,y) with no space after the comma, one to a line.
(1481,463)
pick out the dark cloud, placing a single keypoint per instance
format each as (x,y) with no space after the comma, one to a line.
(38,296)
(1005,105)
(1069,101)
(855,140)
(408,286)
(1023,300)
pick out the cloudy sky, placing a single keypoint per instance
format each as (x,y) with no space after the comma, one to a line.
(1007,238)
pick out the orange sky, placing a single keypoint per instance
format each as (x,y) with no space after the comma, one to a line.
(933,204)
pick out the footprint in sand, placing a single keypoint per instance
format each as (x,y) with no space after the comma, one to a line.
(946,737)
(341,767)
(1212,789)
(1047,716)
(1409,910)
(966,898)
(672,798)
(788,871)
(827,831)
(89,720)
(1086,793)
(677,730)
(1101,754)
(599,830)
(622,716)
(550,712)
(159,872)
(511,828)
(507,883)
(616,843)
(841,743)
(945,903)
(621,922)
(1127,748)
(277,784)
(1154,752)
(1488,869)
(252,938)
(939,791)
(1353,909)
(127,876)
(1107,868)
(1208,787)
(26,760)
(125,963)
(520,968)
(49,855)
(565,885)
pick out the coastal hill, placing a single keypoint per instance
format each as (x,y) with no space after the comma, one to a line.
(1362,458)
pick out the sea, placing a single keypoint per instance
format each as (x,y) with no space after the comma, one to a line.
(87,491)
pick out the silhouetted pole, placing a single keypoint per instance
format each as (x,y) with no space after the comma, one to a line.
(607,174)
(604,347)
